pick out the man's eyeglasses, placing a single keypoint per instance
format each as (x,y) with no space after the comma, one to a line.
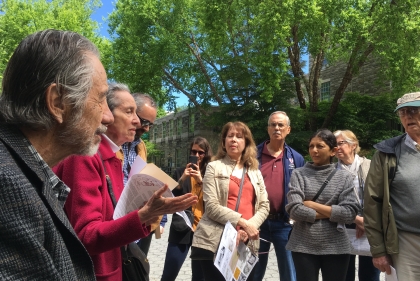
(409,110)
(194,152)
(340,143)
(145,122)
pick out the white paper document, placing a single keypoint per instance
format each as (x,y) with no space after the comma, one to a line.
(235,263)
(145,179)
(392,276)
(360,245)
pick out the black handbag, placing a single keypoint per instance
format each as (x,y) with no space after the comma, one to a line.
(178,223)
(135,266)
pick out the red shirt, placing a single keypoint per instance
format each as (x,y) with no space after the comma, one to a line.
(247,203)
(273,174)
(90,210)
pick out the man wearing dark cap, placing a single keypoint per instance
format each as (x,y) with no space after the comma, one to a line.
(392,196)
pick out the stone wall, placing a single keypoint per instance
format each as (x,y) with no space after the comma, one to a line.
(366,82)
(173,135)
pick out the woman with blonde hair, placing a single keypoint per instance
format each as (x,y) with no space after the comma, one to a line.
(232,182)
(348,159)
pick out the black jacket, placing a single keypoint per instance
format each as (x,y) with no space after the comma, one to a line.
(180,237)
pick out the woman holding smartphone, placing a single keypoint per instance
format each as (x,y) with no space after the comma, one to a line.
(321,198)
(190,180)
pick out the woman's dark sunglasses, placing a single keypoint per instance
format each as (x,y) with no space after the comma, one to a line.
(145,122)
(194,152)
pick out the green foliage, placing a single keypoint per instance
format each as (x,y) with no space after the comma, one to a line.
(152,151)
(371,118)
(229,53)
(207,50)
(19,18)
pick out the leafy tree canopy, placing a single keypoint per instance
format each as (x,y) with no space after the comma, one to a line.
(19,18)
(244,54)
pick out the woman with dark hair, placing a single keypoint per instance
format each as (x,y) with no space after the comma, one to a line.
(190,180)
(233,177)
(320,198)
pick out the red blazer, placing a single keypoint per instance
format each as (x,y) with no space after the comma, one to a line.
(89,209)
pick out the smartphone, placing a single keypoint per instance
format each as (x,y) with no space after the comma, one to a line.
(193,160)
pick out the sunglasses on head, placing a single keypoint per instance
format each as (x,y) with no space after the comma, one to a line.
(194,152)
(145,122)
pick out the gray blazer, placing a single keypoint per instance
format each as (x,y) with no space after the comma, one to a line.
(37,241)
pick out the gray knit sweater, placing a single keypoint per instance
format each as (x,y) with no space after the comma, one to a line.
(320,237)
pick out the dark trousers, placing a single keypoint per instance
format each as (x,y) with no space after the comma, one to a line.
(333,267)
(175,257)
(211,273)
(144,243)
(367,271)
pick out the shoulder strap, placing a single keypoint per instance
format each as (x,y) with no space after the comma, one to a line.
(240,190)
(324,184)
(108,183)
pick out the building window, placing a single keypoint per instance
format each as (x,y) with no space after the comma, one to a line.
(179,126)
(325,91)
(164,130)
(192,121)
(170,129)
(178,157)
(154,131)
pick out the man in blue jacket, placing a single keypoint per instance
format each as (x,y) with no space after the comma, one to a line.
(277,162)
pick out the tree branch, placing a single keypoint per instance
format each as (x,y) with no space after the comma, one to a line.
(180,88)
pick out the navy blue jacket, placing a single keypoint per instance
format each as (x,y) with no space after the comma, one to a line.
(291,160)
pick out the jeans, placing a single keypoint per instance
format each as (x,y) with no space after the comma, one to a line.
(277,232)
(175,257)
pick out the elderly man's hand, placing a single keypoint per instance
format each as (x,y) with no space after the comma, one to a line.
(158,205)
(383,264)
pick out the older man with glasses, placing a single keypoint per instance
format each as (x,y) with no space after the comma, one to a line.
(277,161)
(392,196)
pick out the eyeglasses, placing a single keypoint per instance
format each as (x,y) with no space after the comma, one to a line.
(200,152)
(409,110)
(145,122)
(253,248)
(340,143)
(281,125)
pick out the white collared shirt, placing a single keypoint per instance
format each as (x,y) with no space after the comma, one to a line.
(113,146)
(410,142)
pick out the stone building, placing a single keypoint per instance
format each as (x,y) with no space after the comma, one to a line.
(173,134)
(366,82)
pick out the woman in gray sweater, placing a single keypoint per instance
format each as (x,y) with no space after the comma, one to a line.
(315,241)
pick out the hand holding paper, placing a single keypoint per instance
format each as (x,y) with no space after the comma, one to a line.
(158,205)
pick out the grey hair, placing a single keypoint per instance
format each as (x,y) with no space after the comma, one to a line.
(279,112)
(111,98)
(41,59)
(142,99)
(349,137)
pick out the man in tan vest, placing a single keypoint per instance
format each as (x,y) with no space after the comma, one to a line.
(146,111)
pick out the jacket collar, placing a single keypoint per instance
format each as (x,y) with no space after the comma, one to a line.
(105,148)
(389,146)
(18,146)
(14,139)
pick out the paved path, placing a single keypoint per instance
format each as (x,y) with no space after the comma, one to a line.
(157,254)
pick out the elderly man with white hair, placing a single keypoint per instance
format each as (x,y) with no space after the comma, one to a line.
(392,196)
